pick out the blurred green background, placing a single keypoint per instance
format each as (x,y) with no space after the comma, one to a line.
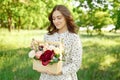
(99,24)
(33,14)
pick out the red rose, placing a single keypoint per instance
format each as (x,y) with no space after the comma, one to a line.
(47,56)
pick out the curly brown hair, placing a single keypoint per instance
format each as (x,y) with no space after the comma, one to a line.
(66,13)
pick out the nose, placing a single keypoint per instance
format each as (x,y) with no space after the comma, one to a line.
(56,20)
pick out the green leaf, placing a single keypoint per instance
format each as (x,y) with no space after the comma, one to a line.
(57,55)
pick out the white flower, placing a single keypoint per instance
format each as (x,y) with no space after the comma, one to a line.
(51,47)
(56,50)
(31,54)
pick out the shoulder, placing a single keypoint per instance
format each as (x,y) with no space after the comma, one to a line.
(48,35)
(74,36)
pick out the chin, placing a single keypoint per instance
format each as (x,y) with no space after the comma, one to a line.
(58,27)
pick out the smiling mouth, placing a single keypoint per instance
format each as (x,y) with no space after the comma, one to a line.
(57,24)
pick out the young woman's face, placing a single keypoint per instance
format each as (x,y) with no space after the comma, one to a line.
(59,20)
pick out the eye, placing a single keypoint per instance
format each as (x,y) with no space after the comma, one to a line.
(59,17)
(53,18)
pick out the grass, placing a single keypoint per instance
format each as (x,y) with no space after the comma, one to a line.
(101,56)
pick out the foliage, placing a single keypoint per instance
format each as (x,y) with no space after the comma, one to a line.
(101,19)
(33,14)
(27,14)
(115,13)
(118,20)
(98,13)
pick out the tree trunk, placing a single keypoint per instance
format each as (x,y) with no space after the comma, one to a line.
(9,12)
(9,23)
(19,23)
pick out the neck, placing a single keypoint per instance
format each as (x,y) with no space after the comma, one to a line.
(62,30)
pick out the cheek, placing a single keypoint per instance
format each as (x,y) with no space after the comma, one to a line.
(53,21)
(64,22)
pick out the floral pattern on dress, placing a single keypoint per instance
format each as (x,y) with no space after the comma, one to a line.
(72,56)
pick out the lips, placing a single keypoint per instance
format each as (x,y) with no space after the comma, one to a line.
(57,24)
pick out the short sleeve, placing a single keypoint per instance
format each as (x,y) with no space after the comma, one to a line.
(45,37)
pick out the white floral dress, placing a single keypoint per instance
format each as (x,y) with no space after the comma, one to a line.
(73,56)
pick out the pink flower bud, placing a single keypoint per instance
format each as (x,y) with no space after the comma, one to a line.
(38,54)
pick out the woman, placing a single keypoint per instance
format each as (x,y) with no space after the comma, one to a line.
(62,27)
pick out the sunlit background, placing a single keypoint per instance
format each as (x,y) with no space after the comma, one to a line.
(99,31)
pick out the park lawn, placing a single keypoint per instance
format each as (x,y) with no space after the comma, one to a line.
(101,56)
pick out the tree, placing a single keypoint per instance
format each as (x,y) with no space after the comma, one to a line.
(11,11)
(116,14)
(118,21)
(27,14)
(101,19)
(97,12)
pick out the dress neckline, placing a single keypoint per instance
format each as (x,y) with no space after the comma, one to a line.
(64,33)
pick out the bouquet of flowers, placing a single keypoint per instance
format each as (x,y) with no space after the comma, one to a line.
(47,56)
